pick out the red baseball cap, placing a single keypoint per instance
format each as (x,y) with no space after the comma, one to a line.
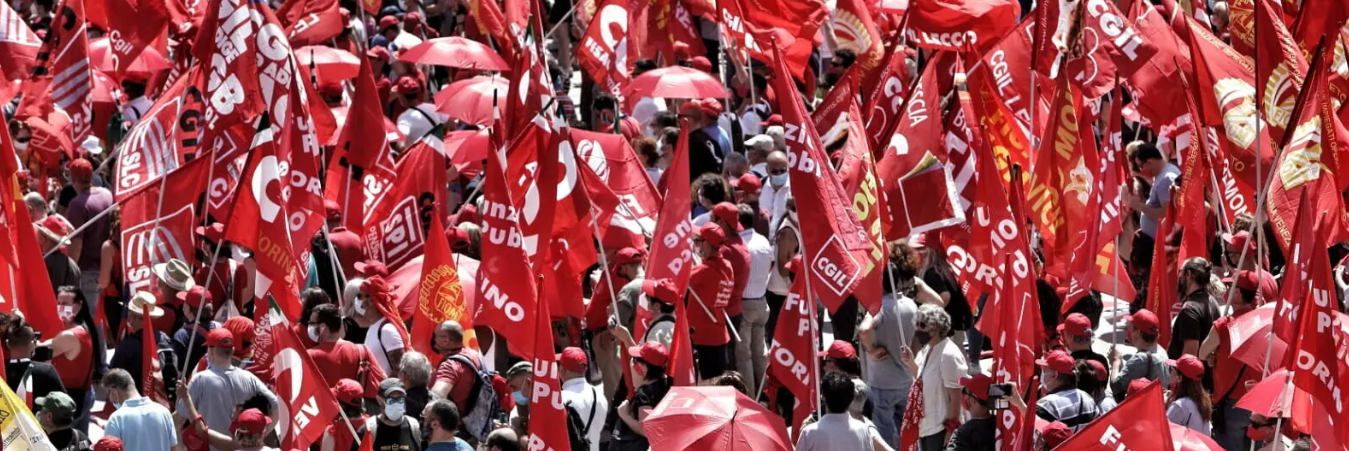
(573,359)
(748,182)
(387,21)
(628,255)
(1058,360)
(712,234)
(977,385)
(194,296)
(728,213)
(220,337)
(651,352)
(1076,325)
(1144,320)
(1238,241)
(690,107)
(348,391)
(1096,366)
(1189,366)
(711,107)
(109,443)
(840,349)
(81,170)
(408,84)
(457,237)
(662,290)
(1055,433)
(372,268)
(1136,386)
(242,328)
(250,421)
(701,63)
(333,210)
(214,232)
(330,88)
(378,52)
(772,120)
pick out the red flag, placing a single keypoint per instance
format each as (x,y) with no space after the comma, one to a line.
(1192,213)
(63,61)
(1162,281)
(1014,349)
(1314,355)
(1104,37)
(439,296)
(311,22)
(603,51)
(855,30)
(307,407)
(396,225)
(1137,423)
(506,280)
(681,346)
(885,97)
(993,95)
(1312,155)
(18,46)
(615,166)
(487,16)
(371,7)
(668,23)
(915,150)
(162,140)
(133,25)
(834,242)
(152,380)
(228,158)
(857,174)
(794,350)
(31,295)
(829,114)
(1062,196)
(1279,68)
(530,88)
(1318,18)
(1293,292)
(671,246)
(158,222)
(957,24)
(546,412)
(750,25)
(1154,82)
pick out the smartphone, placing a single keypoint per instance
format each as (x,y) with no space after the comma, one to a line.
(997,393)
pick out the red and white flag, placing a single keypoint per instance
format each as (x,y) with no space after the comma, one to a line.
(857,174)
(158,223)
(916,151)
(795,350)
(1191,211)
(31,295)
(18,45)
(396,225)
(613,163)
(63,62)
(132,25)
(229,43)
(833,240)
(1297,273)
(509,298)
(855,30)
(885,97)
(162,140)
(994,96)
(439,295)
(311,22)
(959,24)
(306,407)
(603,51)
(1014,348)
(1155,82)
(751,25)
(1279,68)
(1137,423)
(672,244)
(547,413)
(152,367)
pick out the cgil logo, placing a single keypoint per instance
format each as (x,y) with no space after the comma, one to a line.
(837,276)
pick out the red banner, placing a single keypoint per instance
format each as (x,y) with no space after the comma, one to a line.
(1162,280)
(915,150)
(32,294)
(1155,82)
(158,223)
(994,101)
(1293,292)
(857,174)
(1137,423)
(833,240)
(311,22)
(18,47)
(1279,68)
(131,27)
(440,297)
(1315,355)
(1191,211)
(1062,190)
(885,97)
(615,165)
(63,62)
(506,280)
(306,406)
(228,44)
(793,353)
(363,138)
(672,244)
(161,140)
(396,226)
(959,24)
(1014,349)
(546,410)
(603,51)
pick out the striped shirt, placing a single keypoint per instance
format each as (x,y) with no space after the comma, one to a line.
(1073,407)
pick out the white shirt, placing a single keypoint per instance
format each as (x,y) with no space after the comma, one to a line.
(133,110)
(837,431)
(760,263)
(646,109)
(406,40)
(774,201)
(581,396)
(938,376)
(418,121)
(381,340)
(702,219)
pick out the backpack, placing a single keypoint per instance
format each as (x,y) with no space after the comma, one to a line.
(482,406)
(577,426)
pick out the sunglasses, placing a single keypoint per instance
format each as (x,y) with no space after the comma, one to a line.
(777,171)
(1263,424)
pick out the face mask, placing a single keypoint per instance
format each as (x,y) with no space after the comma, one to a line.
(314,332)
(394,409)
(778,180)
(359,306)
(1255,434)
(67,311)
(520,399)
(20,145)
(922,336)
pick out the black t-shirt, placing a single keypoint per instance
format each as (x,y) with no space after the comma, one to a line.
(958,307)
(975,435)
(69,440)
(45,378)
(1088,354)
(1194,321)
(704,154)
(396,438)
(648,395)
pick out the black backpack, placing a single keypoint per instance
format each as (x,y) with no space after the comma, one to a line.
(481,406)
(578,425)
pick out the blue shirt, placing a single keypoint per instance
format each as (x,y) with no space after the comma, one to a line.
(719,136)
(142,425)
(456,445)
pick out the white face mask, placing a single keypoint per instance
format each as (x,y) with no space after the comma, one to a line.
(394,409)
(20,145)
(359,306)
(66,311)
(314,332)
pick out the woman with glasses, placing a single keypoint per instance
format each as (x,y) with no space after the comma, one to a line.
(940,364)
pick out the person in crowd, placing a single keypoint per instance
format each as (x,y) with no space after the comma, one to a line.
(520,380)
(884,336)
(56,414)
(1267,430)
(173,277)
(648,150)
(710,288)
(337,358)
(110,295)
(77,352)
(228,279)
(754,322)
(393,428)
(936,273)
(53,233)
(649,376)
(757,149)
(1094,381)
(978,432)
(243,329)
(773,198)
(608,115)
(712,189)
(939,365)
(1231,377)
(735,251)
(418,116)
(199,315)
(1063,401)
(1197,312)
(440,421)
(309,298)
(459,365)
(351,326)
(747,188)
(1077,335)
(785,241)
(625,266)
(338,436)
(37,207)
(1149,163)
(1149,363)
(140,423)
(85,213)
(1053,435)
(502,439)
(581,397)
(836,429)
(223,386)
(20,341)
(705,151)
(130,351)
(1188,404)
(372,310)
(415,372)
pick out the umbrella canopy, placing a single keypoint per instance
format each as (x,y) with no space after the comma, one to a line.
(714,419)
(102,57)
(1186,439)
(1251,335)
(467,149)
(332,64)
(406,280)
(470,100)
(457,52)
(1274,397)
(675,82)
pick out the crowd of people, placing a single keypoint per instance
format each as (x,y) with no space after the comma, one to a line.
(189,358)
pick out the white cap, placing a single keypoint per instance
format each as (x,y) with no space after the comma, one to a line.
(91,145)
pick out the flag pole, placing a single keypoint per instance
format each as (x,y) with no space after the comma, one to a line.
(604,263)
(210,275)
(814,326)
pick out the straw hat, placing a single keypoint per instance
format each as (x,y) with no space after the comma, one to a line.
(176,274)
(142,299)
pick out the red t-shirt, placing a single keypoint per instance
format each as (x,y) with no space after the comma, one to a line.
(1229,374)
(736,253)
(337,360)
(597,312)
(77,373)
(713,282)
(350,249)
(224,276)
(459,376)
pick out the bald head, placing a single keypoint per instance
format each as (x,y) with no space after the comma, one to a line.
(449,338)
(452,330)
(503,439)
(777,169)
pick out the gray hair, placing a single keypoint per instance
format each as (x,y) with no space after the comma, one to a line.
(779,136)
(935,316)
(416,369)
(118,379)
(349,292)
(860,392)
(36,202)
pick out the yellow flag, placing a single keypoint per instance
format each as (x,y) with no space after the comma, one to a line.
(18,426)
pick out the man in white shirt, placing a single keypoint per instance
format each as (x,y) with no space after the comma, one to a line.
(755,317)
(420,116)
(581,397)
(381,336)
(133,84)
(773,198)
(837,430)
(939,365)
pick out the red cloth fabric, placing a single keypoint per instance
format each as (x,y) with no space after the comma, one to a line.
(735,252)
(453,373)
(1230,376)
(223,275)
(302,331)
(350,249)
(342,359)
(77,373)
(712,280)
(629,127)
(597,312)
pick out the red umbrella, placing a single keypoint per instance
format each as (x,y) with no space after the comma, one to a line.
(1274,397)
(714,419)
(1251,333)
(407,279)
(1186,439)
(467,148)
(331,63)
(457,52)
(149,61)
(470,100)
(675,82)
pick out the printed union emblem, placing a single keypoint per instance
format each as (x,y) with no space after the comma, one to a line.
(446,298)
(1079,182)
(1302,163)
(1236,99)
